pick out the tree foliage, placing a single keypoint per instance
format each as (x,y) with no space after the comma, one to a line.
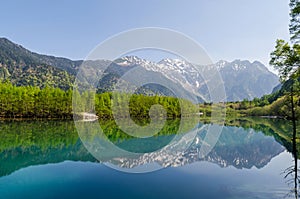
(286,59)
(49,102)
(295,20)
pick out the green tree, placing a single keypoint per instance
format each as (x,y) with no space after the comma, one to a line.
(286,58)
(295,20)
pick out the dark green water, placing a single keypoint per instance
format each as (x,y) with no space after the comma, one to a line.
(46,159)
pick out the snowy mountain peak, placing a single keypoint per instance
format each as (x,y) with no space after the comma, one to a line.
(176,62)
(131,60)
(242,79)
(240,65)
(221,64)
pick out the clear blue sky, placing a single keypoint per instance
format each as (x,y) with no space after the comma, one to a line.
(227,29)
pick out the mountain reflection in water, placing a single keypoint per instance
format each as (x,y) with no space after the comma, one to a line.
(244,144)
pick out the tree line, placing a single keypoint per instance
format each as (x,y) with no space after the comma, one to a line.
(50,102)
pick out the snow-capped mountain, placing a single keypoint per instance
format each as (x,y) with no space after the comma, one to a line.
(242,79)
(132,60)
(235,147)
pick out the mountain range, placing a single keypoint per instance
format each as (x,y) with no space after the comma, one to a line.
(236,147)
(242,79)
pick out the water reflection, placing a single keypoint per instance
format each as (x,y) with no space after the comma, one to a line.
(285,134)
(242,144)
(291,173)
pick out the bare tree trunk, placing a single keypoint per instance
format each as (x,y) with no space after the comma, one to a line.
(293,112)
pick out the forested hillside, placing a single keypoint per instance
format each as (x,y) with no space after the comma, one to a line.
(22,67)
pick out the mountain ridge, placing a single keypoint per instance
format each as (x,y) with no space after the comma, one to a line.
(242,79)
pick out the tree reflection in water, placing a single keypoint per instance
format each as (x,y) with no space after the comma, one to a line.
(291,173)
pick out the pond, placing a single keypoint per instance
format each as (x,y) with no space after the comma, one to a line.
(47,159)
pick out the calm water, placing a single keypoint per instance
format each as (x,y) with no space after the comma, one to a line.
(46,159)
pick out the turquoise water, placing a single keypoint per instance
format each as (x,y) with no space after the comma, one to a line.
(46,159)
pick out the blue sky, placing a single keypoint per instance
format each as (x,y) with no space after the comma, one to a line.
(227,29)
